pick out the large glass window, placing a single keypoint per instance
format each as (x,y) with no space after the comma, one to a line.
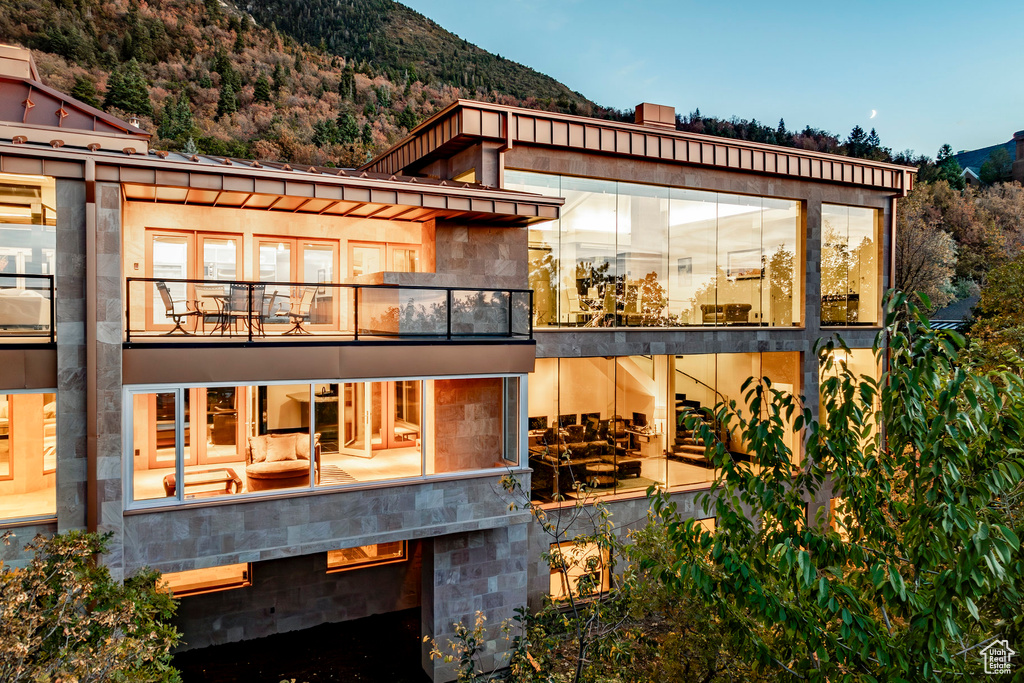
(599,426)
(850,252)
(28,220)
(633,255)
(198,442)
(28,455)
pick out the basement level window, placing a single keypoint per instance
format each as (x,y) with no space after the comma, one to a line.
(579,570)
(208,580)
(366,556)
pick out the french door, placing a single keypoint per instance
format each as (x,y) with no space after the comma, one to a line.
(187,256)
(215,426)
(374,257)
(379,416)
(297,260)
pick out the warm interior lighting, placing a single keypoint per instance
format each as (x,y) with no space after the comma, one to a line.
(208,580)
(366,556)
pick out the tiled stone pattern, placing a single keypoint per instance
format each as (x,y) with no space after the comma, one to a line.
(13,555)
(178,539)
(482,257)
(108,413)
(468,417)
(466,573)
(295,593)
(71,356)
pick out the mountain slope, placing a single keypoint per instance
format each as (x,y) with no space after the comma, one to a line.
(395,39)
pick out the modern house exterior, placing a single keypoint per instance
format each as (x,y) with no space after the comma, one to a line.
(295,390)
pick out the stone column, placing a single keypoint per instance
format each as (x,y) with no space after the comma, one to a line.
(812,298)
(469,573)
(106,420)
(71,354)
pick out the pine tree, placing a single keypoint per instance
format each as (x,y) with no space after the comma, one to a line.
(261,91)
(227,103)
(347,84)
(85,91)
(348,128)
(190,147)
(367,136)
(128,90)
(212,9)
(280,77)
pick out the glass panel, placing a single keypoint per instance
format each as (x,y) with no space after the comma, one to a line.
(641,385)
(406,425)
(480,313)
(579,570)
(592,291)
(468,424)
(28,428)
(835,264)
(405,260)
(863,274)
(366,260)
(543,251)
(219,259)
(154,441)
(208,580)
(693,256)
(510,423)
(170,260)
(318,266)
(222,408)
(276,266)
(354,439)
(692,387)
(739,252)
(366,556)
(278,454)
(28,220)
(782,302)
(642,260)
(390,311)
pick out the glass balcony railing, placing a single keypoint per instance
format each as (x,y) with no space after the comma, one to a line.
(214,309)
(26,308)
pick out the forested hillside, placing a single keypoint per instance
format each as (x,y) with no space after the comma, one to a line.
(406,45)
(319,81)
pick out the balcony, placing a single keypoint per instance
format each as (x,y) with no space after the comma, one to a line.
(218,311)
(26,309)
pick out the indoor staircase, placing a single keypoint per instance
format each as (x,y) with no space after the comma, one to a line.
(688,447)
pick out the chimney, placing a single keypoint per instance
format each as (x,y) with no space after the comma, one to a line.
(17,62)
(656,115)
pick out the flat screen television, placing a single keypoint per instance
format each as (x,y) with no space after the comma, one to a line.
(639,420)
(566,420)
(585,418)
(538,424)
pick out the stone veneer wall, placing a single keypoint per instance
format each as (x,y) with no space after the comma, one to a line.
(482,257)
(468,435)
(295,593)
(467,573)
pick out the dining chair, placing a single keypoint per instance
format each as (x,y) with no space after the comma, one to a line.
(175,310)
(209,303)
(299,310)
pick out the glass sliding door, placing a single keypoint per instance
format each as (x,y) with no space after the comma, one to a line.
(169,258)
(355,438)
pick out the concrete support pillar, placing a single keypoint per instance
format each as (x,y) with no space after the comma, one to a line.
(812,297)
(467,573)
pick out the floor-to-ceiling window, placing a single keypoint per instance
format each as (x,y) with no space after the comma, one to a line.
(209,441)
(850,253)
(28,254)
(28,455)
(635,255)
(603,425)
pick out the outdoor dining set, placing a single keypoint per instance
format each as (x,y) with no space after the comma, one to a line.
(234,307)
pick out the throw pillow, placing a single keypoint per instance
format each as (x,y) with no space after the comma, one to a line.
(281,447)
(258,446)
(302,446)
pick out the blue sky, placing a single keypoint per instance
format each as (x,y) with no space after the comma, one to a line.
(935,72)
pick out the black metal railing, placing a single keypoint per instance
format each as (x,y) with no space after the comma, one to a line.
(27,311)
(173,307)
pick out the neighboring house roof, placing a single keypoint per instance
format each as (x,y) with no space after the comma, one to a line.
(974,158)
(954,315)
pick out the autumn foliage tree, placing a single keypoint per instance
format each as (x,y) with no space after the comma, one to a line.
(63,618)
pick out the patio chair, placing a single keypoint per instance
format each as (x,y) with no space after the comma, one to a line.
(175,310)
(241,308)
(209,303)
(299,310)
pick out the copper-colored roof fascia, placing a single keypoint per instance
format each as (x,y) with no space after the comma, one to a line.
(147,170)
(451,112)
(128,128)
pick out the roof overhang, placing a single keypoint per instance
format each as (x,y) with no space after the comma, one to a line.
(233,183)
(466,122)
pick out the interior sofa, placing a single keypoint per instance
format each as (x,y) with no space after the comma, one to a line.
(725,314)
(560,460)
(279,461)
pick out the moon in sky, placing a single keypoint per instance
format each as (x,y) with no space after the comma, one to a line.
(874,113)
